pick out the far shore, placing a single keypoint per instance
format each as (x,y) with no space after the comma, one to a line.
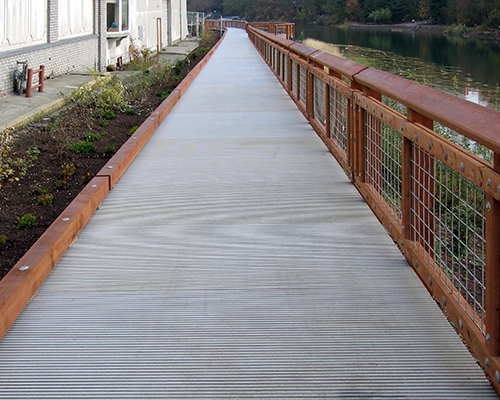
(420,27)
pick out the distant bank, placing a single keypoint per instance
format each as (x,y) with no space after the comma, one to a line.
(460,30)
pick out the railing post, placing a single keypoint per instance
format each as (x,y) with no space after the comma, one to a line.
(41,77)
(492,300)
(29,83)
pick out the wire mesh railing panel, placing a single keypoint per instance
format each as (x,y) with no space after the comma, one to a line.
(294,77)
(383,170)
(319,101)
(448,223)
(338,119)
(464,142)
(285,68)
(303,86)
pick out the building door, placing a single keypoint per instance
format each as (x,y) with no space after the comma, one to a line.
(167,20)
(159,35)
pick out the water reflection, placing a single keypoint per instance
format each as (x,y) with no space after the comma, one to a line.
(450,78)
(479,59)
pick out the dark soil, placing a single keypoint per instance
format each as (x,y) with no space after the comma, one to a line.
(48,162)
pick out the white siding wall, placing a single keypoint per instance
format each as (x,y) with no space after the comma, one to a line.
(145,13)
(76,18)
(22,23)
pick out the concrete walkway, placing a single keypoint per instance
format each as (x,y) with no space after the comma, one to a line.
(234,259)
(16,111)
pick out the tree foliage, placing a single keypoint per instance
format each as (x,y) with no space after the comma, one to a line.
(465,12)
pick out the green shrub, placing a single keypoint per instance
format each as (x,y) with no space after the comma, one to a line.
(87,176)
(62,183)
(68,170)
(92,137)
(107,114)
(3,240)
(26,221)
(45,199)
(82,147)
(132,130)
(104,93)
(109,150)
(163,94)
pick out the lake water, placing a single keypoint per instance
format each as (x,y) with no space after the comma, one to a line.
(464,67)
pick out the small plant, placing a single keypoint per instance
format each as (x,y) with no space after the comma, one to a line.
(40,190)
(105,133)
(104,123)
(83,147)
(33,152)
(87,176)
(176,79)
(130,111)
(132,130)
(62,183)
(109,150)
(3,240)
(107,114)
(163,94)
(45,199)
(68,170)
(26,221)
(92,137)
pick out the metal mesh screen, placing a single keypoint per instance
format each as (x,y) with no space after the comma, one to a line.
(319,101)
(448,224)
(294,77)
(338,119)
(303,86)
(383,171)
(285,69)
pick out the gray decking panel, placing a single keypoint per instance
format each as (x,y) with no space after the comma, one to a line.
(235,260)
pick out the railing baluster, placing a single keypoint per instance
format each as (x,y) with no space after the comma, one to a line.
(492,300)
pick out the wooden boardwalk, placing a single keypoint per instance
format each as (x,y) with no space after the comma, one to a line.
(234,259)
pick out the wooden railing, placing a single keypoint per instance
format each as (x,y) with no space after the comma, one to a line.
(224,23)
(438,201)
(281,29)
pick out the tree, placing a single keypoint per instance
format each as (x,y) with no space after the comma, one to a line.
(353,10)
(382,16)
(423,9)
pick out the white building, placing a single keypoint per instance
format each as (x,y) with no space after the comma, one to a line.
(74,35)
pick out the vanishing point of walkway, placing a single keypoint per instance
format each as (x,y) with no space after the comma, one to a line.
(234,259)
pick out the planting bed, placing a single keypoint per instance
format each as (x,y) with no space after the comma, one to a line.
(41,168)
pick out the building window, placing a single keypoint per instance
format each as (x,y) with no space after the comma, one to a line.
(117,15)
(124,15)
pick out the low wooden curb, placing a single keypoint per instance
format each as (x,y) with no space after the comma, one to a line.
(19,286)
